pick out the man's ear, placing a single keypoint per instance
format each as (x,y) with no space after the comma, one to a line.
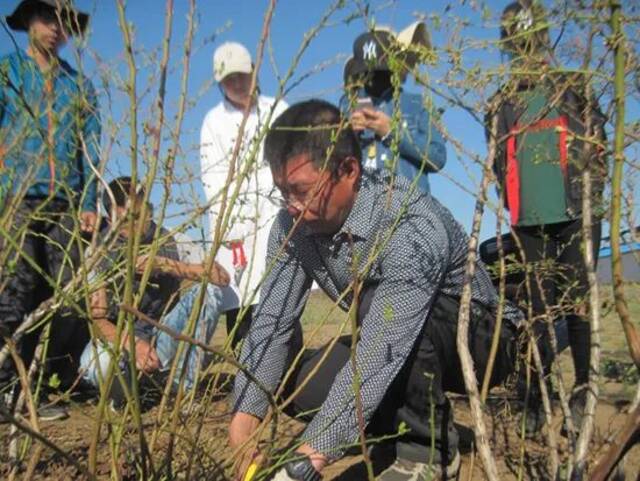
(350,168)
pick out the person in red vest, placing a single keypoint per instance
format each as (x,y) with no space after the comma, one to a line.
(549,132)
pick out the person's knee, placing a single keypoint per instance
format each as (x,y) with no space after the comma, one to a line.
(94,363)
(213,299)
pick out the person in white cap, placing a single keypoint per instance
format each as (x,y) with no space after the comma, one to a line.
(244,248)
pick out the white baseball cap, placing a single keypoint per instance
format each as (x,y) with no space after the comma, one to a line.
(231,57)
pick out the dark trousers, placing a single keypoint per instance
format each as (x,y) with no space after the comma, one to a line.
(244,323)
(43,230)
(554,252)
(416,398)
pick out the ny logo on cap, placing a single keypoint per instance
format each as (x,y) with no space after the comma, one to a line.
(369,51)
(524,19)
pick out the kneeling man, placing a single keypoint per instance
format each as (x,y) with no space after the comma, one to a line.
(395,254)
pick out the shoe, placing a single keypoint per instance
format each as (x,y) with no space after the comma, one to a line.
(53,412)
(534,419)
(577,403)
(46,412)
(6,405)
(405,470)
(531,412)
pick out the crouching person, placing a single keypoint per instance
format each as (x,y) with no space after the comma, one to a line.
(409,254)
(161,300)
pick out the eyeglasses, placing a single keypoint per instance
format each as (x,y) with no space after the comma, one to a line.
(299,199)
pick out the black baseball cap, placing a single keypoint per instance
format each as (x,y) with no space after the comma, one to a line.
(371,51)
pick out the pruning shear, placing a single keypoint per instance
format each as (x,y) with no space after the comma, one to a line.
(239,260)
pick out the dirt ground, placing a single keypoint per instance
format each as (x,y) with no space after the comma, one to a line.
(199,449)
(208,431)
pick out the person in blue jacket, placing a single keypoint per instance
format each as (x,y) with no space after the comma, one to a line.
(371,106)
(49,148)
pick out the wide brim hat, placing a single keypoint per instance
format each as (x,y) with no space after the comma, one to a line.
(406,44)
(76,21)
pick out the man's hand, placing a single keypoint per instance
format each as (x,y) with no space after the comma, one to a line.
(218,275)
(375,120)
(241,430)
(141,262)
(146,357)
(358,121)
(318,460)
(88,221)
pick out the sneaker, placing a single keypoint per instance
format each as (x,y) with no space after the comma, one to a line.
(533,418)
(53,412)
(405,470)
(532,414)
(5,405)
(577,403)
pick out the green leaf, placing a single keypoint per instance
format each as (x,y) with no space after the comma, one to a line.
(54,381)
(388,312)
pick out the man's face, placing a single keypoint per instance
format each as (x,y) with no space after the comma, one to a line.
(138,217)
(322,201)
(46,31)
(237,87)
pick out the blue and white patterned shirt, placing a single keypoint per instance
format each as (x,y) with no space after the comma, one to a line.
(425,254)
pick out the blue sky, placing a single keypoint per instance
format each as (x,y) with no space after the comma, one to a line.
(241,20)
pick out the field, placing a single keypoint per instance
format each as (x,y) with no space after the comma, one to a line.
(199,447)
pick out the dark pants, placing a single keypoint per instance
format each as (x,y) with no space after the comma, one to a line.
(416,397)
(555,253)
(44,234)
(244,323)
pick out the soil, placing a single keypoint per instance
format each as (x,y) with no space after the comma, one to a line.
(205,428)
(199,448)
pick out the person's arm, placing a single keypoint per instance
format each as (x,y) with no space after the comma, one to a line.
(283,296)
(412,274)
(213,164)
(90,130)
(269,341)
(420,142)
(106,330)
(146,357)
(182,270)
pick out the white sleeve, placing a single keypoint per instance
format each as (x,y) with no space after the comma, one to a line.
(281,106)
(213,163)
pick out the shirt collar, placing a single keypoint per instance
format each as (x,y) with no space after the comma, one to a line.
(229,107)
(358,222)
(63,68)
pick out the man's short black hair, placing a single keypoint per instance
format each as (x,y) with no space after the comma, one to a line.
(315,128)
(120,188)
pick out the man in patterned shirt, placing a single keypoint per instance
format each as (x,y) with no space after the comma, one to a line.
(397,256)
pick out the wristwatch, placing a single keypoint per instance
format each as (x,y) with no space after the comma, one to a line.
(302,470)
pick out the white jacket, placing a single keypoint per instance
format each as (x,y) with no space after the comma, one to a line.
(253,211)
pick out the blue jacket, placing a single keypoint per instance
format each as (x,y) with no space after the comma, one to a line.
(421,145)
(28,127)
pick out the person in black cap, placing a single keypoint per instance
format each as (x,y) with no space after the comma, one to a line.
(548,133)
(49,149)
(411,145)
